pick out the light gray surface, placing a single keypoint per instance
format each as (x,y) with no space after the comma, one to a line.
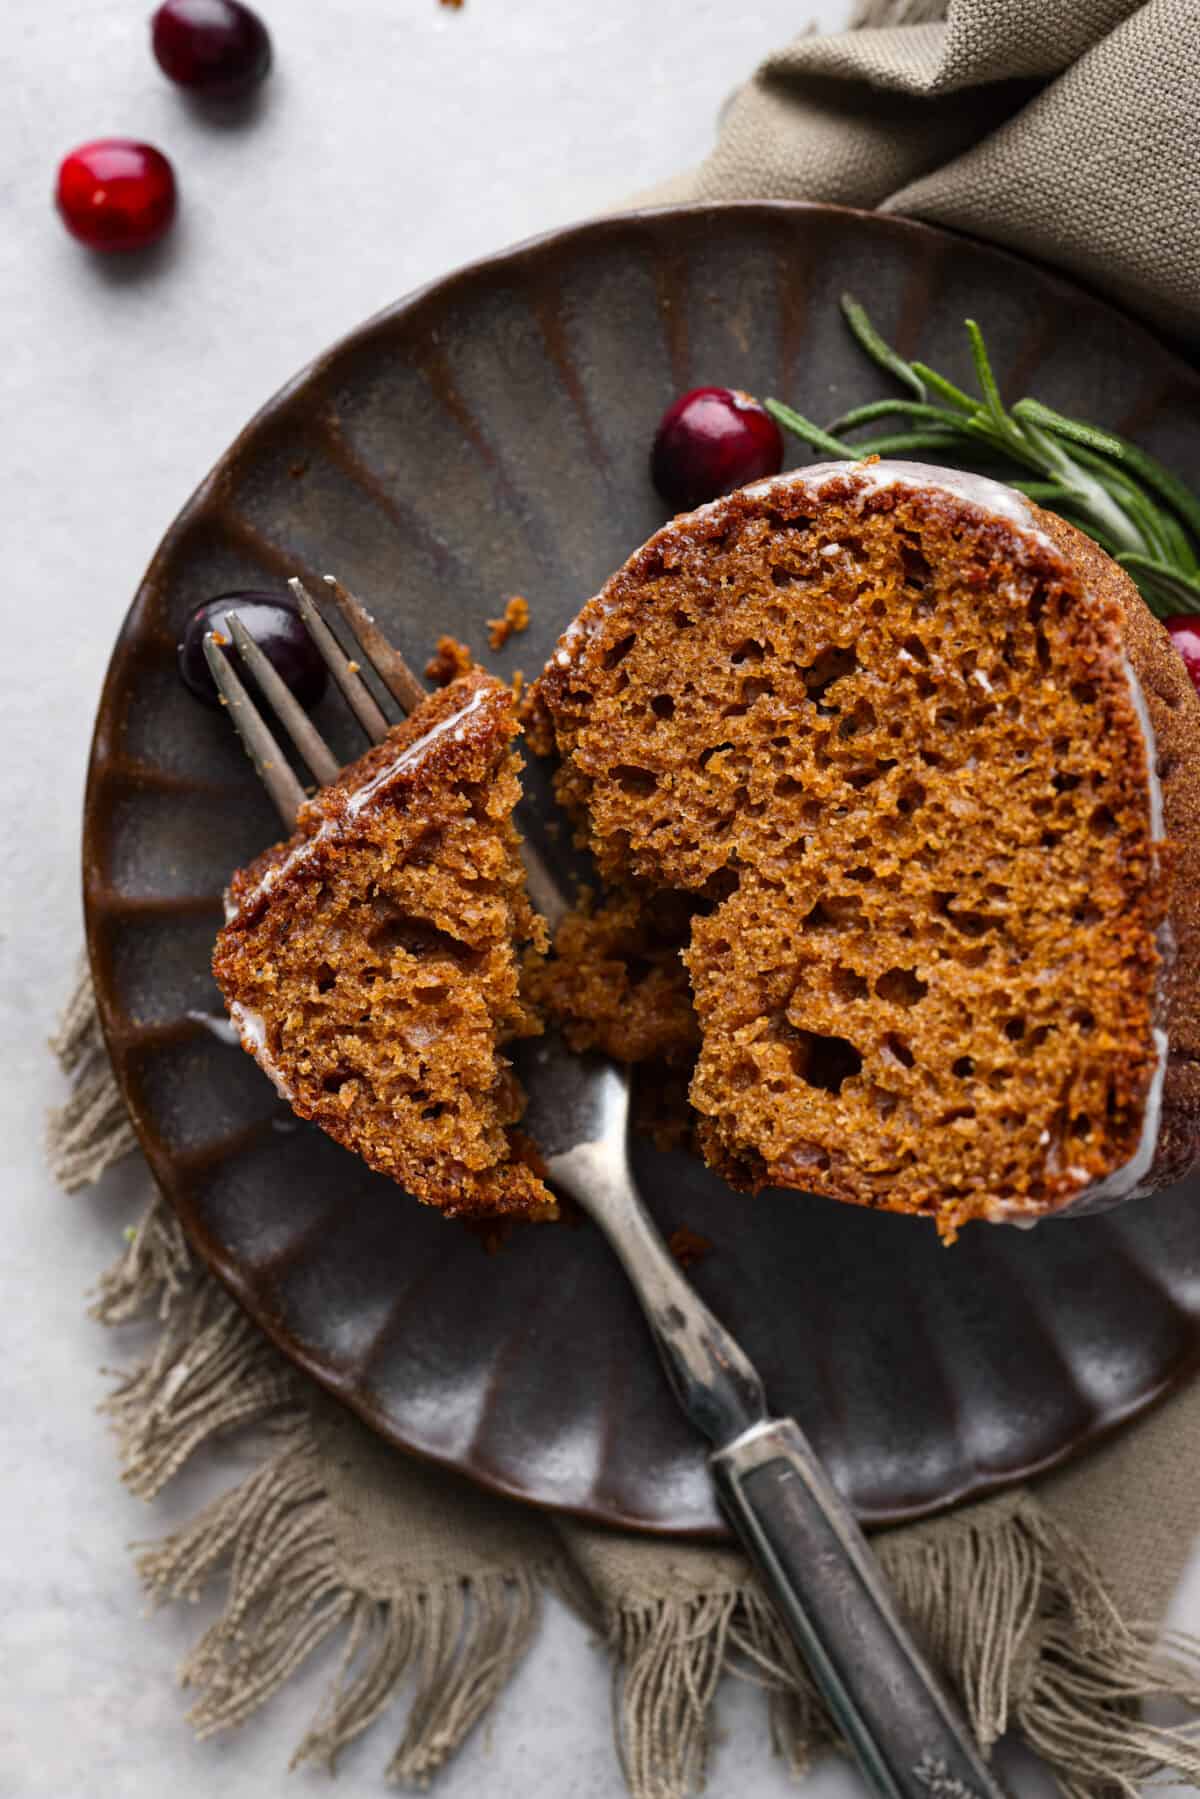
(396,140)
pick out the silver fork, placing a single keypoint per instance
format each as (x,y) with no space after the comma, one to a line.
(908,1735)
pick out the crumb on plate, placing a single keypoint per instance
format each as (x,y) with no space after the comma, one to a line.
(515,617)
(450,660)
(688,1246)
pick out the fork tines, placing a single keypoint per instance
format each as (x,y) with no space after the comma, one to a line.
(259,741)
(384,658)
(345,673)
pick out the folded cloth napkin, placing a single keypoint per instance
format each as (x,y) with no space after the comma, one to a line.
(1067,132)
(1070,133)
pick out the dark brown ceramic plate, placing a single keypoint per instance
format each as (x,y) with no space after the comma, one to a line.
(488,437)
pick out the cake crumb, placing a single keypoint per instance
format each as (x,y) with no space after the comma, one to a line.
(515,617)
(453,5)
(517,684)
(450,660)
(616,981)
(688,1246)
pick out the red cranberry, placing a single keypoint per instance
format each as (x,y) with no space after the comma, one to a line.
(116,194)
(709,442)
(276,627)
(214,47)
(1184,633)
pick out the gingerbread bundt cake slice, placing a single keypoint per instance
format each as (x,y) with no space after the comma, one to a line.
(892,730)
(371,964)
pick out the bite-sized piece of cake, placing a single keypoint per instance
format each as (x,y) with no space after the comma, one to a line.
(897,727)
(372,963)
(616,981)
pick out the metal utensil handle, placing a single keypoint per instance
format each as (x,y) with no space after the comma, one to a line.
(815,1562)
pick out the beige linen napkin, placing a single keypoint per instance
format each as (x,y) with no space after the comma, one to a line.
(1064,131)
(1069,132)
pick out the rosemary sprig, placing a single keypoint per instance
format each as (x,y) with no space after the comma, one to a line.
(1136,509)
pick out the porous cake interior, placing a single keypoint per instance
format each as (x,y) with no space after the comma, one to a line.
(615,981)
(373,962)
(890,748)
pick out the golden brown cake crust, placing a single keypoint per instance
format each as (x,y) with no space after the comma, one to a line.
(886,733)
(372,963)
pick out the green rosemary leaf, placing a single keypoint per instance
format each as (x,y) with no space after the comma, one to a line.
(1076,430)
(1132,499)
(1061,500)
(1160,525)
(906,443)
(987,381)
(1081,519)
(878,350)
(1138,462)
(954,395)
(812,434)
(982,427)
(881,409)
(1043,493)
(1091,496)
(1179,549)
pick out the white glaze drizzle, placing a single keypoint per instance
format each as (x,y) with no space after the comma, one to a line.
(217,1027)
(869,477)
(453,725)
(250,1026)
(872,477)
(1137,695)
(252,1031)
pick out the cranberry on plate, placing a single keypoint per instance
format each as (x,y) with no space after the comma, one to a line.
(709,442)
(1184,632)
(276,627)
(216,47)
(116,194)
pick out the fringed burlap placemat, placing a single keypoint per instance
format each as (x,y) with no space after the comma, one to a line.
(1072,132)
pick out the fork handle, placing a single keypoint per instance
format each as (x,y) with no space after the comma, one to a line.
(904,1730)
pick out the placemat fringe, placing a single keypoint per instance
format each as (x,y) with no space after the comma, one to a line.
(151,1273)
(668,1657)
(91,1130)
(1008,1604)
(272,1537)
(211,1371)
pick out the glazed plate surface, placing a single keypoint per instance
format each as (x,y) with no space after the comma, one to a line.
(487,437)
